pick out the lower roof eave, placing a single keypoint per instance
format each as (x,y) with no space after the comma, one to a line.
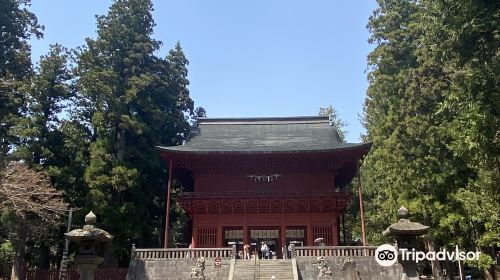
(172,150)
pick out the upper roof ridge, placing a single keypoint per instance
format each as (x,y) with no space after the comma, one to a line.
(265,120)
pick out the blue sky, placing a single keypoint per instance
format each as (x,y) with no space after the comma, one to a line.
(248,58)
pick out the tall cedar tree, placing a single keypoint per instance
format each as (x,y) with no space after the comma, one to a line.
(18,25)
(409,163)
(132,101)
(41,132)
(412,117)
(46,139)
(462,39)
(45,101)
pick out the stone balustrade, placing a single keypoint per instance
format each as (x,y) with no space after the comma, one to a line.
(335,251)
(182,253)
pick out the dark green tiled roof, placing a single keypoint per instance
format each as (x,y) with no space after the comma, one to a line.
(263,135)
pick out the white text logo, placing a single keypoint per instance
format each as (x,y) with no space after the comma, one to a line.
(387,255)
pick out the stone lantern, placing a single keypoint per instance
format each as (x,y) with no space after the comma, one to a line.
(405,232)
(91,243)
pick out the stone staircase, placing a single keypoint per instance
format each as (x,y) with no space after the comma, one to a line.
(265,269)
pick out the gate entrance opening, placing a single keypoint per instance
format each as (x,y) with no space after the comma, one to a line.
(270,236)
(234,236)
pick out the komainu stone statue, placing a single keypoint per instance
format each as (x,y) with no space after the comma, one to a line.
(198,269)
(324,269)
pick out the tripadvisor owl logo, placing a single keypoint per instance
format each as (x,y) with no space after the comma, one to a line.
(386,255)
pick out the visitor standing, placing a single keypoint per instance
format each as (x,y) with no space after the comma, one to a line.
(284,252)
(246,252)
(264,249)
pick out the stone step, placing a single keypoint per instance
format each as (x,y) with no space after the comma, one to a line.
(265,269)
(264,265)
(264,262)
(263,277)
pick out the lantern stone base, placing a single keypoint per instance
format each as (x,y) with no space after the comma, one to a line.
(87,264)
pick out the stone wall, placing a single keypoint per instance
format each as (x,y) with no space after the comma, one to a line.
(175,269)
(342,269)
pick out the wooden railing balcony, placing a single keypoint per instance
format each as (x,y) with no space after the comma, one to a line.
(264,202)
(260,194)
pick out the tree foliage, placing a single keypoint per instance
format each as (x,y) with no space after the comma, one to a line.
(335,121)
(18,25)
(91,118)
(432,114)
(133,101)
(38,127)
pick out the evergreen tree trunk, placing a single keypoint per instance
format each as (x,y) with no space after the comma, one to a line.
(488,274)
(120,143)
(44,256)
(450,270)
(18,263)
(437,272)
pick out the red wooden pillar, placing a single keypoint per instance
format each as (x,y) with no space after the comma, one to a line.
(194,235)
(219,234)
(246,237)
(282,237)
(194,238)
(361,211)
(309,235)
(167,207)
(335,231)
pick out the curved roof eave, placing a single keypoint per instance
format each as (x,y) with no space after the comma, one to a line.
(176,150)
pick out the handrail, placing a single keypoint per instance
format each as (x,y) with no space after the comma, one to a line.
(255,275)
(181,253)
(294,269)
(335,251)
(258,266)
(294,262)
(233,263)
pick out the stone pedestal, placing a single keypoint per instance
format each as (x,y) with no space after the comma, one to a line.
(87,265)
